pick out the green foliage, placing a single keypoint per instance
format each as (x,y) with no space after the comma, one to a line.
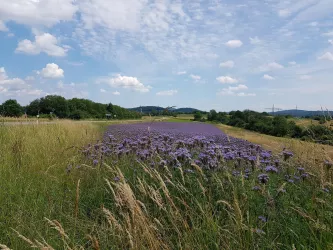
(11,108)
(197,116)
(77,109)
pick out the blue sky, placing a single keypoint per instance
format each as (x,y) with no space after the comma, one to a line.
(207,54)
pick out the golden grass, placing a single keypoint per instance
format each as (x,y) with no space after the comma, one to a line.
(305,151)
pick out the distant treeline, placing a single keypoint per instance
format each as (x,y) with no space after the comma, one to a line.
(57,106)
(169,111)
(277,126)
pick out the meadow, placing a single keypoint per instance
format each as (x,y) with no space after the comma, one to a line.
(161,185)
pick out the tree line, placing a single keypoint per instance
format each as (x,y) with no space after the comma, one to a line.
(75,108)
(277,125)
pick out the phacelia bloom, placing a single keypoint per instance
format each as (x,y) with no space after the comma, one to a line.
(256,188)
(95,162)
(301,170)
(262,218)
(326,190)
(304,175)
(235,173)
(271,169)
(263,178)
(287,154)
(265,155)
(116,179)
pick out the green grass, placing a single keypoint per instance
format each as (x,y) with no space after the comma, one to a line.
(205,210)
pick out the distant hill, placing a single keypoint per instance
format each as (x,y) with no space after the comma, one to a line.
(150,109)
(302,113)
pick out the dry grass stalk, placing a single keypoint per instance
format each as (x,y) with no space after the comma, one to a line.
(77,199)
(94,242)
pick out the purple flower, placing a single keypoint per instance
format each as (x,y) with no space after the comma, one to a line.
(95,162)
(263,178)
(271,169)
(262,218)
(256,188)
(287,154)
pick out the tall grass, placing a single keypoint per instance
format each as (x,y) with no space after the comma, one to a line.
(33,181)
(124,204)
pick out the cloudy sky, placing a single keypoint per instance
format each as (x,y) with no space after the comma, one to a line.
(221,54)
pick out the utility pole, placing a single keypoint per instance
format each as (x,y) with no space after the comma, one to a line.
(274,109)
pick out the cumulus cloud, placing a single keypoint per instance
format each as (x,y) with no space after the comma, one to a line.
(15,87)
(226,80)
(195,77)
(268,77)
(233,91)
(52,70)
(181,73)
(234,43)
(167,92)
(102,90)
(270,67)
(32,12)
(326,56)
(330,41)
(227,64)
(115,93)
(46,43)
(3,26)
(126,82)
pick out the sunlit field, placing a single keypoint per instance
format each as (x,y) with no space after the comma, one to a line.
(161,185)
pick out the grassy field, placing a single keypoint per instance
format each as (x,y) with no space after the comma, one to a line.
(52,198)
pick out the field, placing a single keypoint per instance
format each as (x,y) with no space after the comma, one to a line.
(161,185)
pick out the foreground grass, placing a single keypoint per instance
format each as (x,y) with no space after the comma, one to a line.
(123,204)
(33,182)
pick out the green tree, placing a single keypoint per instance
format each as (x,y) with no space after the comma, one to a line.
(11,108)
(197,116)
(280,126)
(54,104)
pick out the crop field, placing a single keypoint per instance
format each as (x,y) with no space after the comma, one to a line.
(159,185)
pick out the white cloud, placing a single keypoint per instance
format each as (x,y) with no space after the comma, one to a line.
(232,91)
(270,67)
(46,43)
(181,73)
(3,26)
(167,92)
(330,34)
(234,43)
(226,80)
(292,63)
(227,64)
(35,12)
(30,78)
(255,40)
(102,90)
(126,82)
(52,70)
(115,93)
(305,77)
(3,74)
(15,87)
(246,94)
(268,77)
(119,15)
(239,87)
(326,56)
(330,41)
(195,77)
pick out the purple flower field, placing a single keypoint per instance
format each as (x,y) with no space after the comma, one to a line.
(183,145)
